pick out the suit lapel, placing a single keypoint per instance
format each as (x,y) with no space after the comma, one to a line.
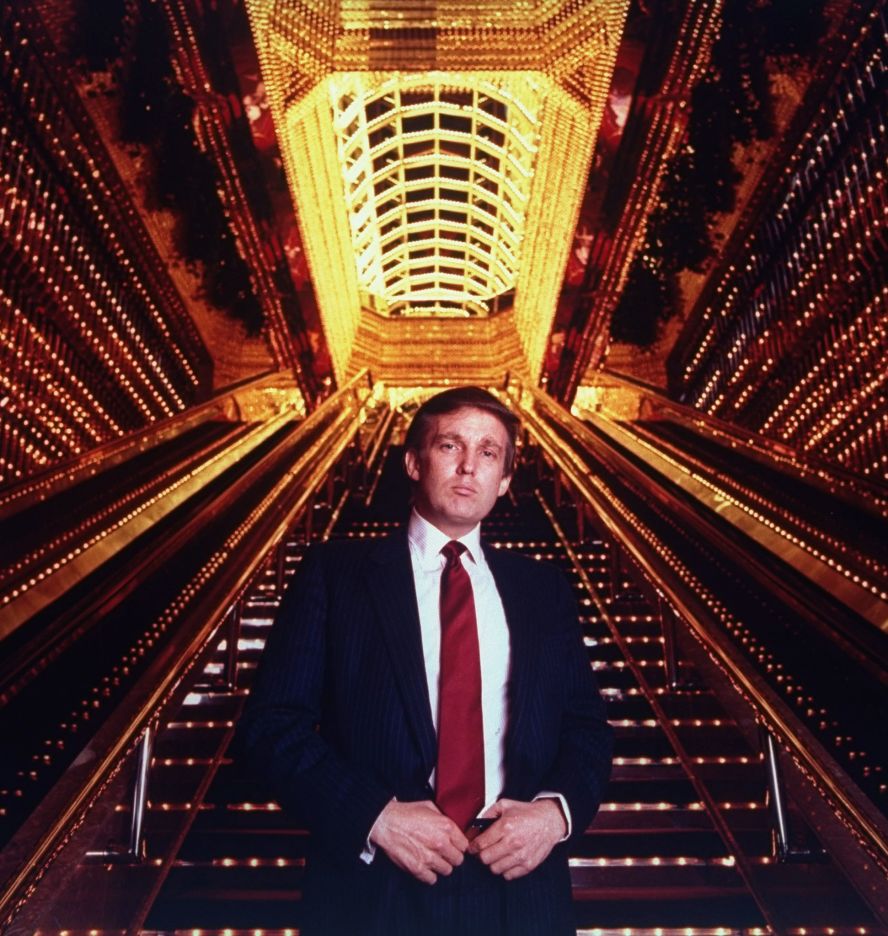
(389,581)
(519,607)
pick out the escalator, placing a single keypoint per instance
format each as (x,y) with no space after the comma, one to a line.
(113,619)
(809,498)
(796,642)
(115,629)
(811,509)
(660,857)
(685,840)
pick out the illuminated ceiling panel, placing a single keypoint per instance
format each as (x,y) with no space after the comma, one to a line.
(437,153)
(437,172)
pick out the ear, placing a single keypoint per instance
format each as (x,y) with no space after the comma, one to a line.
(411,464)
(504,485)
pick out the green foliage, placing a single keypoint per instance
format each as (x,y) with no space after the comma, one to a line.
(712,135)
(739,68)
(678,231)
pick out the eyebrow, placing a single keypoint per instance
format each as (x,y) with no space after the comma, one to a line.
(486,442)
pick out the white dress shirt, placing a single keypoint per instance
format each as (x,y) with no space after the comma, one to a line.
(426,542)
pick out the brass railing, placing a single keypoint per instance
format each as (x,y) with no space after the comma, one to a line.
(839,564)
(223,405)
(830,477)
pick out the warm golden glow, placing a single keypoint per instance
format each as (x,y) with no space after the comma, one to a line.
(437,173)
(425,182)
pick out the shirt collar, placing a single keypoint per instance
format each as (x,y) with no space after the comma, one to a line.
(427,541)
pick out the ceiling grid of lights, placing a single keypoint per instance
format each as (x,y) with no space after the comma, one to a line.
(437,172)
(437,155)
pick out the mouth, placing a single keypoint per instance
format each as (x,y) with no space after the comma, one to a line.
(464,490)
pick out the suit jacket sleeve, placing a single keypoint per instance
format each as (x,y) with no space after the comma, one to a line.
(559,740)
(581,767)
(278,732)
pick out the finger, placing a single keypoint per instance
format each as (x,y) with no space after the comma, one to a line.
(439,864)
(460,843)
(451,854)
(426,875)
(503,864)
(490,836)
(457,838)
(496,852)
(495,810)
(522,863)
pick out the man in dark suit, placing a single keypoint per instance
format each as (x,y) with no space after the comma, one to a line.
(440,780)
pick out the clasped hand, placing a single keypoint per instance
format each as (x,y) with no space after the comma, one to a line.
(422,841)
(419,839)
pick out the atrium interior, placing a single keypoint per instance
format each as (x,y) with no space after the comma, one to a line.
(242,240)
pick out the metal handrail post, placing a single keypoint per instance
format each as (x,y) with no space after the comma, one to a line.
(615,567)
(783,850)
(280,563)
(670,657)
(136,850)
(231,644)
(776,801)
(167,680)
(308,522)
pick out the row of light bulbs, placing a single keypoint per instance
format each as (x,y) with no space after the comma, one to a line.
(77,303)
(827,272)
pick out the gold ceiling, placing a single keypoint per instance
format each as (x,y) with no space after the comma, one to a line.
(437,153)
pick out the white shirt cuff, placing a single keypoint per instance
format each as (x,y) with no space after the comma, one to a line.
(369,851)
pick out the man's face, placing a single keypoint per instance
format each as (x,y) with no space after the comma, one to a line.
(460,470)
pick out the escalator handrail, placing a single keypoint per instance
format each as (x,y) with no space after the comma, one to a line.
(866,493)
(821,563)
(168,677)
(851,804)
(61,476)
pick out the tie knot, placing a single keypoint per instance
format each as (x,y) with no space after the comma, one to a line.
(452,551)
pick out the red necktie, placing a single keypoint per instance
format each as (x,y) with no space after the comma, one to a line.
(460,768)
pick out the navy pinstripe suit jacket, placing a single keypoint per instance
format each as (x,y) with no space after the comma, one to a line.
(339,722)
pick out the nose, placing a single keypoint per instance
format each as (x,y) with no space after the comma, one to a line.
(467,463)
